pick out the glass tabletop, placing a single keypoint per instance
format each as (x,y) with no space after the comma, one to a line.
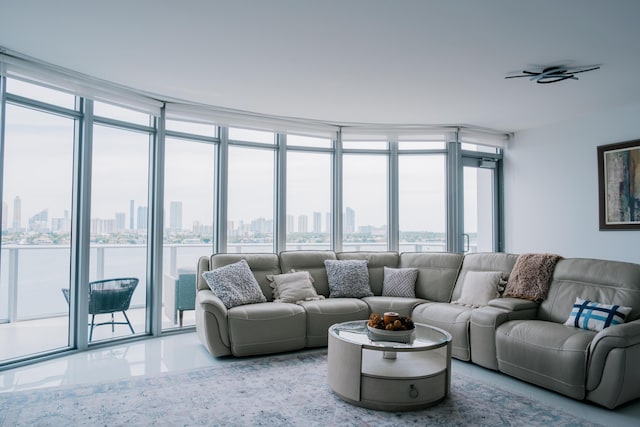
(424,337)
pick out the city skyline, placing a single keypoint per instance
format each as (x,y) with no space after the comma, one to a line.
(40,222)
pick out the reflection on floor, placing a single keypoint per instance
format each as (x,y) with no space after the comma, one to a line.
(23,338)
(183,351)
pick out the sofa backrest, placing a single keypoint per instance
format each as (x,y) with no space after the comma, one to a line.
(607,282)
(376,261)
(261,265)
(311,261)
(489,261)
(437,272)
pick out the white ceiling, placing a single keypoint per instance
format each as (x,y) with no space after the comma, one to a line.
(369,61)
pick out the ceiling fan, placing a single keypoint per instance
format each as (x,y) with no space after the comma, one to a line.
(554,74)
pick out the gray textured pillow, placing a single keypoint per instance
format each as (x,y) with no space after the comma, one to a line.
(479,287)
(399,282)
(234,284)
(348,278)
(293,287)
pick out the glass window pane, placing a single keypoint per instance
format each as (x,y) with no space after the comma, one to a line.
(308,141)
(41,93)
(249,135)
(188,224)
(36,222)
(478,210)
(251,200)
(119,210)
(191,127)
(422,203)
(308,200)
(365,202)
(102,109)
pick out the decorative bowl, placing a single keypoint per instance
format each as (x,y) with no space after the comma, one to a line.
(395,336)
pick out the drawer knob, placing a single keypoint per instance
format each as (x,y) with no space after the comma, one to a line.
(413,392)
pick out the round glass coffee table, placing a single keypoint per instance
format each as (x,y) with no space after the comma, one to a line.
(387,375)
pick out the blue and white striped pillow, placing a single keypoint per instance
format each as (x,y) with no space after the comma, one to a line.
(596,316)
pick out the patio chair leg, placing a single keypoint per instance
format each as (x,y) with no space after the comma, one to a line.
(181,312)
(93,316)
(113,325)
(129,323)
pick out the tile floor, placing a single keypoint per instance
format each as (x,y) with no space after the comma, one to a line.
(183,351)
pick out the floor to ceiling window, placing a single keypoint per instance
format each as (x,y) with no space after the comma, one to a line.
(36,219)
(189,179)
(251,180)
(421,197)
(365,171)
(309,181)
(120,212)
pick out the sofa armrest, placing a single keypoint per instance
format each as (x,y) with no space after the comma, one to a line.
(211,319)
(486,320)
(614,337)
(513,304)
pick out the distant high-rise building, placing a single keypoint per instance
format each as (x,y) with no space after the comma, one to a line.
(175,216)
(350,221)
(317,222)
(17,213)
(303,221)
(289,223)
(120,221)
(131,216)
(142,217)
(5,214)
(39,222)
(327,222)
(58,225)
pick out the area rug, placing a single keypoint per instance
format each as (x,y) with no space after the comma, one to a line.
(286,390)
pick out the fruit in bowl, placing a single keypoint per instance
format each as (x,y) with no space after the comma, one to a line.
(390,321)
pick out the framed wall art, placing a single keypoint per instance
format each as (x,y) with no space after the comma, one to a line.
(619,185)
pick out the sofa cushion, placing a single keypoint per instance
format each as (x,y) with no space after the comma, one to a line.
(453,318)
(323,313)
(548,354)
(437,273)
(293,287)
(234,284)
(399,282)
(266,328)
(596,316)
(348,279)
(484,262)
(479,287)
(261,265)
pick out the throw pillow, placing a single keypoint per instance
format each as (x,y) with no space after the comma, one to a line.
(596,316)
(479,287)
(348,278)
(293,287)
(399,282)
(531,276)
(234,284)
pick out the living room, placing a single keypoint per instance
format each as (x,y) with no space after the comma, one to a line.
(427,65)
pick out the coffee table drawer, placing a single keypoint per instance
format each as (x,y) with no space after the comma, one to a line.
(417,391)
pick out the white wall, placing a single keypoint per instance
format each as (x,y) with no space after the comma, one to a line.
(551,188)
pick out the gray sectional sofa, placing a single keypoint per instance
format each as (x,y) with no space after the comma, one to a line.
(525,339)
